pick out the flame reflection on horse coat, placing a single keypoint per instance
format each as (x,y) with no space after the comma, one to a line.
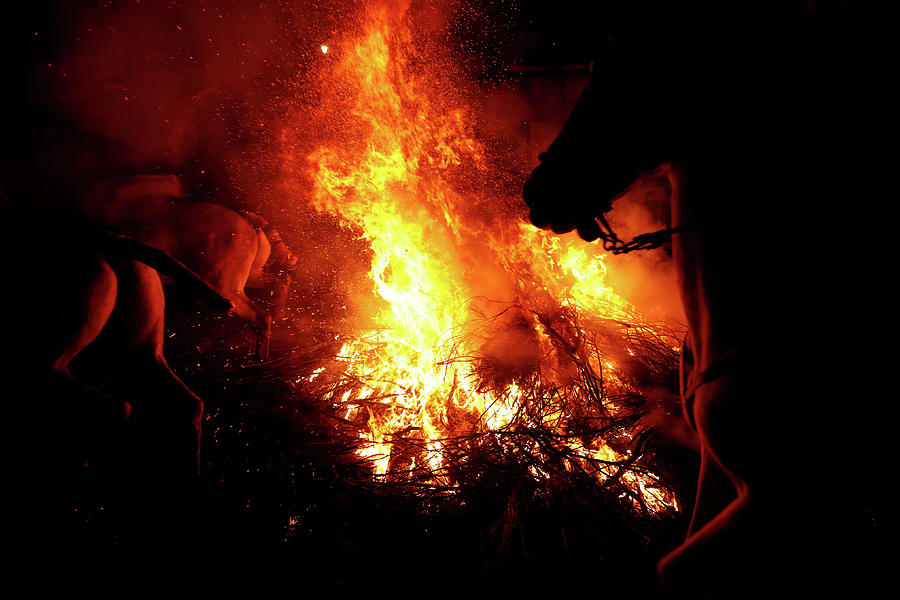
(225,248)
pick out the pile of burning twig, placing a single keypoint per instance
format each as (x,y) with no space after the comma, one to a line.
(584,433)
(283,472)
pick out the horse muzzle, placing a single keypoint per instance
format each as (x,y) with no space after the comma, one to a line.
(559,203)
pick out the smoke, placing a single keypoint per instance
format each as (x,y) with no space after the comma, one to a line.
(182,87)
(648,277)
(522,117)
(667,421)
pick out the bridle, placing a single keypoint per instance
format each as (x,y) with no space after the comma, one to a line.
(645,241)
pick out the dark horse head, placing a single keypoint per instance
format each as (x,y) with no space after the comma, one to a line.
(667,88)
(618,130)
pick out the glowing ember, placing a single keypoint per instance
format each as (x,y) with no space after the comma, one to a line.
(324,49)
(427,375)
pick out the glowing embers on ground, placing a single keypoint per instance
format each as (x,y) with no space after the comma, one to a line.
(430,389)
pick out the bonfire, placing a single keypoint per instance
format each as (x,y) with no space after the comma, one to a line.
(490,346)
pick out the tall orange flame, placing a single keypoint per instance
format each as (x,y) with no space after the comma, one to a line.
(391,175)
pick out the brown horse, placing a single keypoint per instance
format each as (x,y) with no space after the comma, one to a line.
(230,250)
(704,93)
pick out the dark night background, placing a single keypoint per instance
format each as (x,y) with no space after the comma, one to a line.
(265,465)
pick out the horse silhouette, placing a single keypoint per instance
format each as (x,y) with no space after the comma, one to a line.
(230,250)
(699,92)
(84,288)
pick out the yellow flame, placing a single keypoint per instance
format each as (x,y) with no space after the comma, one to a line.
(387,184)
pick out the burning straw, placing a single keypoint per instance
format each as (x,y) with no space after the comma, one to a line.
(452,389)
(531,430)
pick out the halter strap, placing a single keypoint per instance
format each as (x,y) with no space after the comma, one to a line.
(645,241)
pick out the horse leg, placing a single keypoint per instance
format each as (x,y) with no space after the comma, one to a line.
(749,544)
(60,332)
(274,287)
(280,294)
(715,492)
(57,422)
(247,309)
(714,488)
(233,272)
(710,558)
(164,408)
